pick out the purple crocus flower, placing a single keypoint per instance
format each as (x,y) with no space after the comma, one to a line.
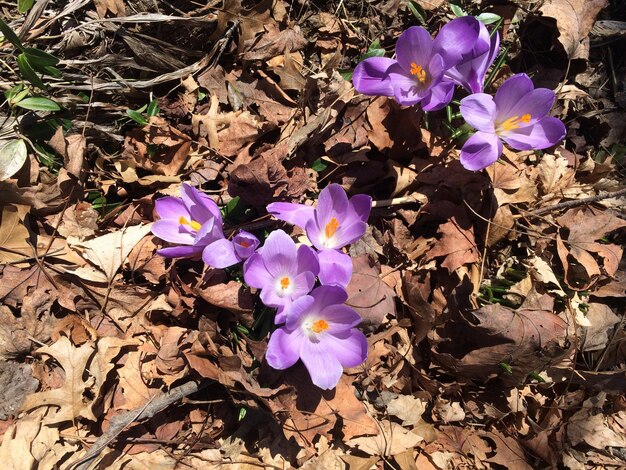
(321,331)
(518,114)
(417,73)
(471,71)
(336,222)
(281,270)
(223,253)
(192,221)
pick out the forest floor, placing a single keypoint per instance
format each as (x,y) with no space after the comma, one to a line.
(492,301)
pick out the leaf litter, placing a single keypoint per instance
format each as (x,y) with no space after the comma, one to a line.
(492,301)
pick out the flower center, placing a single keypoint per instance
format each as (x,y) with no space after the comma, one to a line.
(331,227)
(319,326)
(418,72)
(193,224)
(284,283)
(245,244)
(514,122)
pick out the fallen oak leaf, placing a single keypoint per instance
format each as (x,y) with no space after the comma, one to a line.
(109,251)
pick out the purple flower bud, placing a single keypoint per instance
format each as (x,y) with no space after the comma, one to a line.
(321,331)
(517,115)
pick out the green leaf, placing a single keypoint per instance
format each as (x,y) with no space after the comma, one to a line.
(28,73)
(15,94)
(24,5)
(137,117)
(318,165)
(488,18)
(13,154)
(374,51)
(153,108)
(457,10)
(10,35)
(506,367)
(38,103)
(346,74)
(418,12)
(38,57)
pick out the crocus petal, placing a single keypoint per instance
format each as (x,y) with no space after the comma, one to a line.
(302,284)
(171,208)
(324,368)
(348,234)
(220,254)
(536,104)
(201,206)
(405,89)
(414,47)
(361,206)
(545,133)
(283,348)
(481,150)
(281,314)
(279,253)
(294,311)
(307,260)
(370,77)
(255,273)
(171,231)
(326,296)
(340,318)
(245,244)
(350,348)
(209,232)
(183,251)
(332,202)
(479,111)
(438,97)
(335,268)
(511,92)
(457,38)
(295,214)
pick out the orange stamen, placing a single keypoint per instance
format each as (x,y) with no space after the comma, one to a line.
(284,282)
(514,122)
(331,227)
(244,243)
(419,72)
(319,326)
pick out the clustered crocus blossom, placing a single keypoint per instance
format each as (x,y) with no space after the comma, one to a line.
(315,324)
(194,223)
(425,71)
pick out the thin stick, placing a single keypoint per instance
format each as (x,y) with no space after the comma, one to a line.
(120,422)
(578,202)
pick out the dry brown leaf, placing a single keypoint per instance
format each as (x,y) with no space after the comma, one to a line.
(275,42)
(574,20)
(457,244)
(252,21)
(601,319)
(408,408)
(597,429)
(368,294)
(79,221)
(14,236)
(116,7)
(391,440)
(109,251)
(72,399)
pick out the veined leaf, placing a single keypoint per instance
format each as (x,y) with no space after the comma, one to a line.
(39,57)
(24,5)
(488,18)
(137,117)
(10,35)
(28,73)
(12,156)
(38,103)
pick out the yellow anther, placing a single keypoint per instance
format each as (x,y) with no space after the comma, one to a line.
(319,326)
(514,122)
(419,72)
(284,282)
(193,224)
(331,227)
